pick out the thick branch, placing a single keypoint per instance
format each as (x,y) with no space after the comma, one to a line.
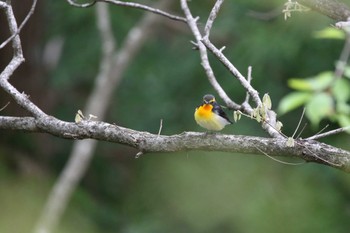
(308,150)
(333,9)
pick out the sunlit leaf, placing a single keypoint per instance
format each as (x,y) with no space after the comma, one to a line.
(317,83)
(330,33)
(279,126)
(79,116)
(293,101)
(319,106)
(267,101)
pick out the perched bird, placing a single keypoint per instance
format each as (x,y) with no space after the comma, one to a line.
(210,115)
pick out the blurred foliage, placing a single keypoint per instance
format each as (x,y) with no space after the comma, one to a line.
(181,192)
(325,96)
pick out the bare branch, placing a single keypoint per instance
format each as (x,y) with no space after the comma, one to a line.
(146,8)
(84,5)
(132,5)
(326,134)
(333,9)
(249,79)
(15,62)
(204,58)
(112,66)
(212,16)
(202,44)
(308,150)
(82,151)
(17,58)
(222,58)
(31,11)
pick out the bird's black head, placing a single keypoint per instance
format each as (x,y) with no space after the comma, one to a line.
(208,99)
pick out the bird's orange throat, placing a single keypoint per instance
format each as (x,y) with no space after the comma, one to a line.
(205,110)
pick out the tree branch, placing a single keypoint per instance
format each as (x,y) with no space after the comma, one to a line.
(222,58)
(192,23)
(31,11)
(202,43)
(308,150)
(132,5)
(333,9)
(112,66)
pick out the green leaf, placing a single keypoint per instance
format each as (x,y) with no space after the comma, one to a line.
(341,90)
(347,72)
(330,33)
(319,107)
(317,83)
(293,101)
(343,107)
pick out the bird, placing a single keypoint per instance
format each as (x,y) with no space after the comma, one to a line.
(210,115)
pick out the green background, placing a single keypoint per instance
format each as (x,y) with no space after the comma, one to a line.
(202,192)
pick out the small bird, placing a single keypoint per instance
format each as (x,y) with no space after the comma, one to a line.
(210,115)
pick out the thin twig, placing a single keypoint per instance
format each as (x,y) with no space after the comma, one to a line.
(160,126)
(301,131)
(326,134)
(249,79)
(277,160)
(146,8)
(31,11)
(83,5)
(133,5)
(212,16)
(323,129)
(4,106)
(300,120)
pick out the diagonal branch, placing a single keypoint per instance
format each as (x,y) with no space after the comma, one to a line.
(221,57)
(203,44)
(204,57)
(212,16)
(132,5)
(334,9)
